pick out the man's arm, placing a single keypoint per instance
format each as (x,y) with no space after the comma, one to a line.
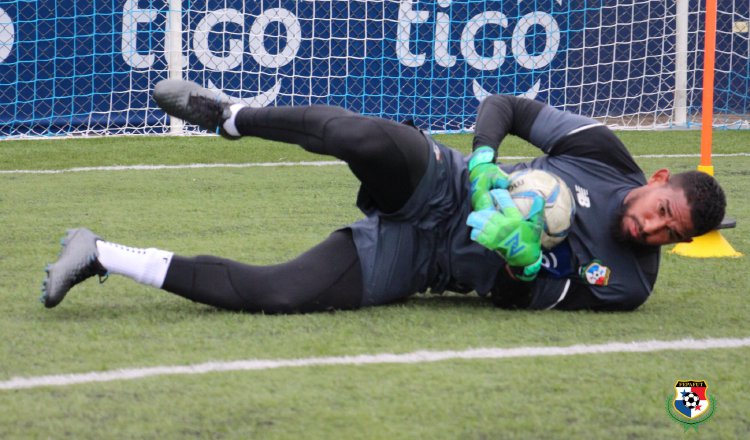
(558,293)
(500,115)
(553,131)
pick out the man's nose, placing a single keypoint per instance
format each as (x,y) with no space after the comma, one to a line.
(653,225)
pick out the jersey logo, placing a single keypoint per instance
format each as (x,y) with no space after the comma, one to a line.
(582,194)
(595,273)
(513,245)
(436,150)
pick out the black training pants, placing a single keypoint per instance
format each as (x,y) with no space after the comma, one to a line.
(388,158)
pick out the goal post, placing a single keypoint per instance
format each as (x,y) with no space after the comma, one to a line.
(682,19)
(174,52)
(87,67)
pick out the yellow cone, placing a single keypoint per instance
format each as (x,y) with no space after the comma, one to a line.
(709,245)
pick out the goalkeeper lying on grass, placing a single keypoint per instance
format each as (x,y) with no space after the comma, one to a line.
(431,216)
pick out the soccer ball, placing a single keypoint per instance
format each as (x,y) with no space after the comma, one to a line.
(559,206)
(691,400)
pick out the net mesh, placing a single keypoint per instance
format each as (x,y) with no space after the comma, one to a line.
(88,67)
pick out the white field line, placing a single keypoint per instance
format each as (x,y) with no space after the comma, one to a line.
(176,167)
(416,357)
(289,164)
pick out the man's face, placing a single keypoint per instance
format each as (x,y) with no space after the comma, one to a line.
(656,214)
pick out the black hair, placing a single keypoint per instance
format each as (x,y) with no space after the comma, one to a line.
(705,197)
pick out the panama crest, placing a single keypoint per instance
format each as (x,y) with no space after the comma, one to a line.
(691,404)
(595,273)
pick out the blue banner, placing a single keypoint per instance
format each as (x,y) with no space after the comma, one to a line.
(89,66)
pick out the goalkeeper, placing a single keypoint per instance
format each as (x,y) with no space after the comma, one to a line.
(434,219)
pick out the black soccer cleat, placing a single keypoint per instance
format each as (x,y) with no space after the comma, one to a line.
(195,104)
(77,262)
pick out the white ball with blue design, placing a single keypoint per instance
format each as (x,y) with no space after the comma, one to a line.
(559,207)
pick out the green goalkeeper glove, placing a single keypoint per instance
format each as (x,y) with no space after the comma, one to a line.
(484,175)
(504,230)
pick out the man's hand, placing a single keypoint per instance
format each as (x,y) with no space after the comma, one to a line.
(503,229)
(485,176)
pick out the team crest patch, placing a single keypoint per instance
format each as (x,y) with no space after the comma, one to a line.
(595,273)
(691,405)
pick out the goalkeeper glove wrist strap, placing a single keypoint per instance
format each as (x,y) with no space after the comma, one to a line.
(525,273)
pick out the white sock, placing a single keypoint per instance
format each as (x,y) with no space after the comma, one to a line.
(146,266)
(228,125)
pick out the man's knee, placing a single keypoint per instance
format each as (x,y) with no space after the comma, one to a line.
(357,135)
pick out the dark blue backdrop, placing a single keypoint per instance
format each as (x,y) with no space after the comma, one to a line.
(67,70)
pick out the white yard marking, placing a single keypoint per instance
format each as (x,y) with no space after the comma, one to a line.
(288,164)
(176,167)
(416,357)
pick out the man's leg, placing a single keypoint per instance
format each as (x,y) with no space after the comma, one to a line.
(326,277)
(387,157)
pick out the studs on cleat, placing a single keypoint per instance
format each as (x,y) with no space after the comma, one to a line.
(194,104)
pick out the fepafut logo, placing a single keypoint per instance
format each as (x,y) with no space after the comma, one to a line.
(690,404)
(282,45)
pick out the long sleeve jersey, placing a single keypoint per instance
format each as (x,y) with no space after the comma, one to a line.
(590,269)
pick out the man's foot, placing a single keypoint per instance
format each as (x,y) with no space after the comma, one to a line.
(195,104)
(77,262)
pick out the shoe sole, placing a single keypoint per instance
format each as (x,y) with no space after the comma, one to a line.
(78,251)
(173,96)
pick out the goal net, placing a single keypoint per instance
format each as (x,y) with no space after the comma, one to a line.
(88,67)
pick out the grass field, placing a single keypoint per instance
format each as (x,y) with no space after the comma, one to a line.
(270,214)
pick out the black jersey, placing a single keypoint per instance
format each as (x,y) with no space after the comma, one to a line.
(590,269)
(427,245)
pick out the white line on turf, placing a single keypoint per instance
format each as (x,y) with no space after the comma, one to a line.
(289,164)
(175,167)
(416,357)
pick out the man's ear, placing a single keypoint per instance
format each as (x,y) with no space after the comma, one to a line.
(660,176)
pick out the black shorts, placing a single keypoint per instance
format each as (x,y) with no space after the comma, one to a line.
(408,251)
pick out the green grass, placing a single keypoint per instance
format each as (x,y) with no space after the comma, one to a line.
(267,215)
(62,153)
